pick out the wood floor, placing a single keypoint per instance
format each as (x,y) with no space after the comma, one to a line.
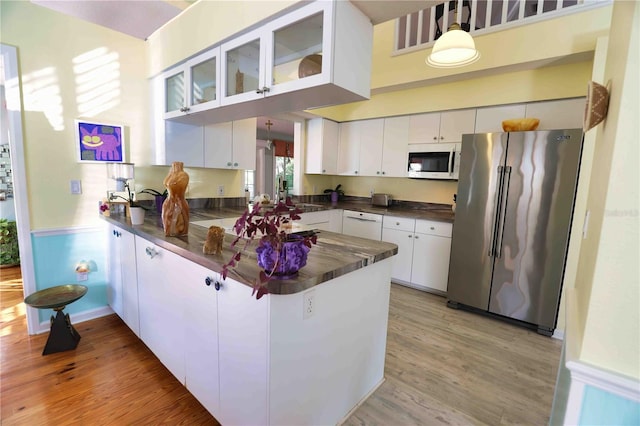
(443,367)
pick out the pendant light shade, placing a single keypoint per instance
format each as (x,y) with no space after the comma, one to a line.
(455,48)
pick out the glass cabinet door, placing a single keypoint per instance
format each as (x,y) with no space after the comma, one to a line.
(204,85)
(243,68)
(174,92)
(297,50)
(203,82)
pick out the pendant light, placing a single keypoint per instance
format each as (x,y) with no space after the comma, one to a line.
(455,48)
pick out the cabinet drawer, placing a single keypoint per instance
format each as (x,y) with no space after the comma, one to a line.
(399,223)
(431,227)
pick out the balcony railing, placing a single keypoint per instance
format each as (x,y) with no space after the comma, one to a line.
(421,29)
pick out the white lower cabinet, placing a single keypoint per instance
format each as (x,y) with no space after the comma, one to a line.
(243,355)
(431,251)
(122,290)
(324,220)
(424,247)
(160,290)
(201,334)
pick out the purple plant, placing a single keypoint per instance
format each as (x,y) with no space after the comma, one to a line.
(269,226)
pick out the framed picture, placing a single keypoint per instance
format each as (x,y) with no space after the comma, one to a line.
(99,142)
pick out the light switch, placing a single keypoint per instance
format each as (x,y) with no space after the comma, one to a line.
(76,187)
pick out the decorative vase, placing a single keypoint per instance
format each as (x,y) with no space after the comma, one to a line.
(137,215)
(175,210)
(334,198)
(287,262)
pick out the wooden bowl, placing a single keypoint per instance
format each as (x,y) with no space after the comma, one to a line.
(310,65)
(520,124)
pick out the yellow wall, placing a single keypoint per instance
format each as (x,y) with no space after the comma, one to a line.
(203,24)
(49,45)
(608,279)
(543,42)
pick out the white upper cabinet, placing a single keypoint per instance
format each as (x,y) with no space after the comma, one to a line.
(349,148)
(322,146)
(316,55)
(441,127)
(192,86)
(375,147)
(454,124)
(489,119)
(230,145)
(370,141)
(394,147)
(424,128)
(183,142)
(561,114)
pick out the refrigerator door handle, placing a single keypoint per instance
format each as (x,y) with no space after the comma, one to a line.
(500,235)
(496,212)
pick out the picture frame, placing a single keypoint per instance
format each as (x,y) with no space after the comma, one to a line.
(99,142)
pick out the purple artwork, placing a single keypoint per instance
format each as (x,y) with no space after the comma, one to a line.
(100,142)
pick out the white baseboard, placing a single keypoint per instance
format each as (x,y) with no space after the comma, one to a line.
(79,317)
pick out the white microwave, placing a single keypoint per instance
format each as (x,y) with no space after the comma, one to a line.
(434,161)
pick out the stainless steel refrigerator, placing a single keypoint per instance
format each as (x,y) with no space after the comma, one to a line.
(515,201)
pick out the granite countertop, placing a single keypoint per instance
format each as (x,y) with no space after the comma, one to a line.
(437,212)
(333,255)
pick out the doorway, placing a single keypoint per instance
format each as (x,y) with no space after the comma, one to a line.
(275,156)
(12,91)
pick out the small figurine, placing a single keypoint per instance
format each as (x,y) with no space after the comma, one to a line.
(213,243)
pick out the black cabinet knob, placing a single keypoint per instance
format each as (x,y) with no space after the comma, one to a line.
(208,281)
(217,285)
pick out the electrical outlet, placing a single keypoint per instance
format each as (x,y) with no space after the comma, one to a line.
(220,190)
(76,187)
(308,304)
(371,192)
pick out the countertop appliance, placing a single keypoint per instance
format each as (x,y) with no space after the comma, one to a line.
(515,201)
(434,161)
(361,224)
(383,200)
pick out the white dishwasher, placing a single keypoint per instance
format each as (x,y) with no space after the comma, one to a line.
(364,225)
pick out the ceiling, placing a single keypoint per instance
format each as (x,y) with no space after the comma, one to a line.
(140,18)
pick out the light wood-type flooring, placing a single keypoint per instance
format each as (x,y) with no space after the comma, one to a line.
(443,367)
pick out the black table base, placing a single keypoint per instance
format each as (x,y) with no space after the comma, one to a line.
(63,336)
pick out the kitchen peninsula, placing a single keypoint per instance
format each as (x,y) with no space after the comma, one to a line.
(307,353)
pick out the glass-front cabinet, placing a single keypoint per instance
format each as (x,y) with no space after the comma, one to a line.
(289,53)
(317,55)
(192,86)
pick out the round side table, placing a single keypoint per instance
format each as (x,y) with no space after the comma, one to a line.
(63,336)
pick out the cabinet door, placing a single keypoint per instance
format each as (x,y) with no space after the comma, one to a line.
(335,220)
(431,261)
(401,266)
(562,114)
(489,120)
(322,146)
(161,305)
(300,55)
(218,145)
(371,138)
(114,287)
(243,68)
(394,147)
(349,148)
(129,281)
(201,336)
(202,81)
(185,143)
(424,128)
(243,355)
(174,92)
(244,144)
(453,124)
